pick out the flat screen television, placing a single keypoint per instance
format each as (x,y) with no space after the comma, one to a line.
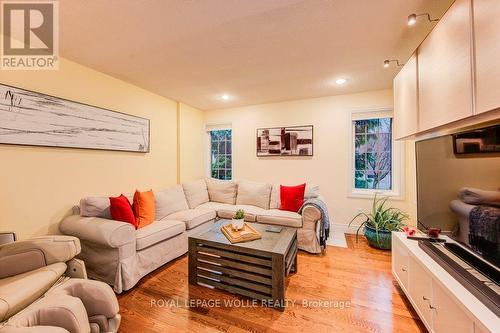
(450,185)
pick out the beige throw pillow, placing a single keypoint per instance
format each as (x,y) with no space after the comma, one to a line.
(223,191)
(196,192)
(170,201)
(253,193)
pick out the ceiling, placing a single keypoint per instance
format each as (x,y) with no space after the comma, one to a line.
(256,51)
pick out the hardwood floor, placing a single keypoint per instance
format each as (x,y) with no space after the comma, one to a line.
(355,285)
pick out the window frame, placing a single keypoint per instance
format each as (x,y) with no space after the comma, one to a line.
(208,145)
(397,158)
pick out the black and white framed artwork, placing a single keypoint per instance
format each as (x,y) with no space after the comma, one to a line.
(35,119)
(285,141)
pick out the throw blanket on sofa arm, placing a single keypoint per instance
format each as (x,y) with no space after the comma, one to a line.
(324,230)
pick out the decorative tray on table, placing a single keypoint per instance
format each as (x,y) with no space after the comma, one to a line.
(246,234)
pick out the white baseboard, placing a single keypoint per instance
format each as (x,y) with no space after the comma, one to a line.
(344,228)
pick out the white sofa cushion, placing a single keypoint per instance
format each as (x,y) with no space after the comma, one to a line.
(170,201)
(196,193)
(312,191)
(223,191)
(215,206)
(280,217)
(193,217)
(253,193)
(158,231)
(251,212)
(226,211)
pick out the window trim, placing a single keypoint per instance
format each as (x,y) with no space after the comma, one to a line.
(398,157)
(208,147)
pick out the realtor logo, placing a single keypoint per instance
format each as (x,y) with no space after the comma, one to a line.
(29,35)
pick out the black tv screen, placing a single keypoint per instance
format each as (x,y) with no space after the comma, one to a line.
(460,192)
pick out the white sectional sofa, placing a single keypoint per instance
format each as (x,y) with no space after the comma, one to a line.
(116,253)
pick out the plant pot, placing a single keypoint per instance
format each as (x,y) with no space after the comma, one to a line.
(237,223)
(384,238)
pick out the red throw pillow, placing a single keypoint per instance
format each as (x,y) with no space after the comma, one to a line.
(292,197)
(121,210)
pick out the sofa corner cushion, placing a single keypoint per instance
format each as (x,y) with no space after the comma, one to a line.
(157,232)
(193,217)
(196,192)
(223,191)
(253,193)
(169,201)
(280,217)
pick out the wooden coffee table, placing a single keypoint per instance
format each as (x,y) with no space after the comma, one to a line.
(256,269)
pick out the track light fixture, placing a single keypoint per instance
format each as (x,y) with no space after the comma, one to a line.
(387,63)
(412,18)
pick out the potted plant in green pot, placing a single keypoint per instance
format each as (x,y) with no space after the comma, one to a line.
(380,222)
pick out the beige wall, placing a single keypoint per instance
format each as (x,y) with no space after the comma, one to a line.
(38,186)
(330,165)
(191,143)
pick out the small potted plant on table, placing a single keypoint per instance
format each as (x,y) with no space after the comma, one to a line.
(238,219)
(380,222)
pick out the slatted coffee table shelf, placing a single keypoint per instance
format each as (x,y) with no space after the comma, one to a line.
(256,269)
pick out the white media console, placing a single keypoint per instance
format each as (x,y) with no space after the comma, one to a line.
(443,304)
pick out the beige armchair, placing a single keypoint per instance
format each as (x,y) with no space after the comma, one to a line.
(43,288)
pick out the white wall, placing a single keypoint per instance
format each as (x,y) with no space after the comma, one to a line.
(329,167)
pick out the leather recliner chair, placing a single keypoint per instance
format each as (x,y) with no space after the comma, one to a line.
(44,289)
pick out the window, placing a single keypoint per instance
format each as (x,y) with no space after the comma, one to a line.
(221,154)
(373,154)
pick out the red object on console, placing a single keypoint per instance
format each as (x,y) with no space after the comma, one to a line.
(121,210)
(292,197)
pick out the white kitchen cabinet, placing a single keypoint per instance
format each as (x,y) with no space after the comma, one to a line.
(445,69)
(400,263)
(420,290)
(447,316)
(442,303)
(406,100)
(487,53)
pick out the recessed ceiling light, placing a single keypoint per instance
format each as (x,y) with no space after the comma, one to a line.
(340,81)
(225,97)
